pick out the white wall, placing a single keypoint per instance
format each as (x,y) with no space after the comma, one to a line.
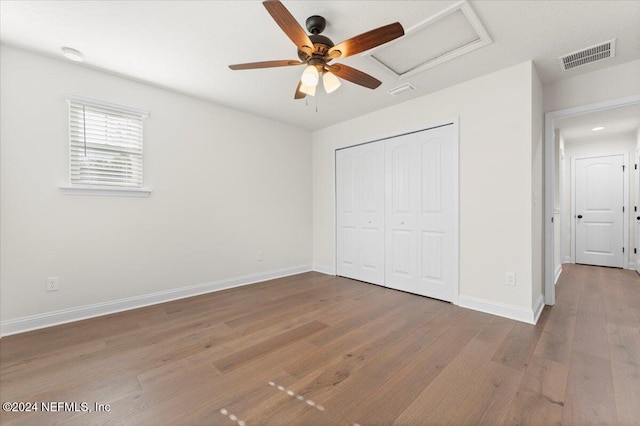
(495,114)
(537,189)
(595,146)
(225,184)
(609,83)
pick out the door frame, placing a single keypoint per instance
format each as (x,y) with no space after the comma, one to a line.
(455,122)
(550,180)
(636,223)
(625,195)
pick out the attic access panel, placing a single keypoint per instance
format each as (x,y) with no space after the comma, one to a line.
(440,38)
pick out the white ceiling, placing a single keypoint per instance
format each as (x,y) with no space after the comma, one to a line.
(614,120)
(187,45)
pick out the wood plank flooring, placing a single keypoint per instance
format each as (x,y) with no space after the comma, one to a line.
(318,350)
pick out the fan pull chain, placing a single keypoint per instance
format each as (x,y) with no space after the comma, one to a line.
(306,103)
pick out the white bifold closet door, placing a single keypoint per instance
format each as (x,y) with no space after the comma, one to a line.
(360,212)
(420,217)
(396,212)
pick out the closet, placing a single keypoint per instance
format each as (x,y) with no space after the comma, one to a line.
(396,212)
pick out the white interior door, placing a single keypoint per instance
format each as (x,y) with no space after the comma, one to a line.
(360,212)
(599,202)
(420,240)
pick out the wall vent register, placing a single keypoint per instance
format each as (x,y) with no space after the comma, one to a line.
(586,56)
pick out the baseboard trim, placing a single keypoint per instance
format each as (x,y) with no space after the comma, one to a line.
(538,310)
(49,319)
(567,259)
(324,269)
(557,276)
(513,312)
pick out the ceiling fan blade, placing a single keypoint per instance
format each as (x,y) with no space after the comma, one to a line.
(265,64)
(289,25)
(353,75)
(366,41)
(299,94)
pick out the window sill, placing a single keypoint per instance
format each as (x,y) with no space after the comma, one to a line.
(106,191)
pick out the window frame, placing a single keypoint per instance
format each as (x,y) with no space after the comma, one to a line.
(104,190)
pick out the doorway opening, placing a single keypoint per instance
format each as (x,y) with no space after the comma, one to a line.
(622,117)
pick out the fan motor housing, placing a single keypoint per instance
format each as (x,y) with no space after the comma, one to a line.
(321,46)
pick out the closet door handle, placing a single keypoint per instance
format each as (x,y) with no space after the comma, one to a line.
(579,216)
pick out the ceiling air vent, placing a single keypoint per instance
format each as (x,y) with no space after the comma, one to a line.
(401,90)
(595,53)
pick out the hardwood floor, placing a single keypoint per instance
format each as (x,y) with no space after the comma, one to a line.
(318,350)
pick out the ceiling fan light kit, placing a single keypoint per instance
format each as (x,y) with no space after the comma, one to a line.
(310,76)
(316,51)
(330,82)
(307,90)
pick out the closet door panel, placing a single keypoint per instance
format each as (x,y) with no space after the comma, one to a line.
(371,212)
(400,175)
(346,214)
(435,221)
(360,212)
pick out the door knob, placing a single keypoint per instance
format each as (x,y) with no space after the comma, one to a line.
(638,218)
(579,216)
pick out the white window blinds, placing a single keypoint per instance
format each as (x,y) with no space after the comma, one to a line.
(105,144)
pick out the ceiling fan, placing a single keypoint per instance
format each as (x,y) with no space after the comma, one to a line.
(316,51)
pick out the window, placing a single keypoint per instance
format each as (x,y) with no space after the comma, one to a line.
(105,144)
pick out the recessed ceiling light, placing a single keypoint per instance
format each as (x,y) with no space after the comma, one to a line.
(595,129)
(72,54)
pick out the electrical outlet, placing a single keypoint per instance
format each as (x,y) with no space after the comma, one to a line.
(52,284)
(510,279)
(259,256)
